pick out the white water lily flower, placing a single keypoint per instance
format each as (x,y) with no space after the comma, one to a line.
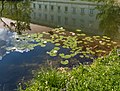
(44,32)
(13,48)
(55,51)
(100,41)
(28,36)
(45,42)
(61,28)
(73,33)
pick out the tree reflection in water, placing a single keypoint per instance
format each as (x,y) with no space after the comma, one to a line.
(18,11)
(109,17)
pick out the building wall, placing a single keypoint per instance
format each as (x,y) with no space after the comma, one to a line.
(70,15)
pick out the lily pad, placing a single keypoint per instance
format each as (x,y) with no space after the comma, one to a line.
(64,62)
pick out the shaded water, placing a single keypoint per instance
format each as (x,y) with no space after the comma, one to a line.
(16,64)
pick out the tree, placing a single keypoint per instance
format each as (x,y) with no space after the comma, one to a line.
(18,11)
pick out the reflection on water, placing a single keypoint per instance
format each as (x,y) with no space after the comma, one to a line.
(92,18)
(69,15)
(16,60)
(78,15)
(9,41)
(18,63)
(16,66)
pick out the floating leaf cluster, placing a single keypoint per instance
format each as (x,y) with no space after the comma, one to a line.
(78,43)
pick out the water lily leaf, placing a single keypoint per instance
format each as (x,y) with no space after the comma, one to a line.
(78,30)
(81,56)
(108,44)
(64,62)
(107,40)
(56,48)
(82,34)
(57,44)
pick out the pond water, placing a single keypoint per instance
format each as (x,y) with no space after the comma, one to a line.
(17,63)
(17,60)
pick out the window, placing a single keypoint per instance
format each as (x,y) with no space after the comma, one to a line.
(34,5)
(52,7)
(39,6)
(58,8)
(82,10)
(45,7)
(66,9)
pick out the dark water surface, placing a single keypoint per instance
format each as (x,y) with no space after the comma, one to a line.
(15,65)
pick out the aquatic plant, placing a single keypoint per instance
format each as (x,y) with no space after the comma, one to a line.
(77,44)
(102,75)
(80,43)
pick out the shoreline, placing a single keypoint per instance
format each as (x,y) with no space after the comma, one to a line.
(34,27)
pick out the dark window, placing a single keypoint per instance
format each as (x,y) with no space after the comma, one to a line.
(34,5)
(66,9)
(58,8)
(52,7)
(45,7)
(39,6)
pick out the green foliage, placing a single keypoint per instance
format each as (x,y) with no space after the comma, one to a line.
(18,11)
(102,75)
(45,80)
(65,62)
(78,44)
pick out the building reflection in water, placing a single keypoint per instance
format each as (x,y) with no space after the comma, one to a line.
(71,15)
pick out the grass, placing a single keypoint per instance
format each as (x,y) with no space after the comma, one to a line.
(102,75)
